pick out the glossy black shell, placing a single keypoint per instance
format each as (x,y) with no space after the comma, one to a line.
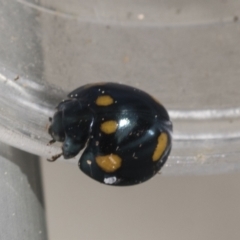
(126,133)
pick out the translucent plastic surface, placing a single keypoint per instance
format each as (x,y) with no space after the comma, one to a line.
(185,53)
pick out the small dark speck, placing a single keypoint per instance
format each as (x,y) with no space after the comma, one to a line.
(235,18)
(108,27)
(16,78)
(178,11)
(129,15)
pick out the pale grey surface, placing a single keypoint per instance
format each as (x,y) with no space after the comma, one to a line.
(185,53)
(22,211)
(168,208)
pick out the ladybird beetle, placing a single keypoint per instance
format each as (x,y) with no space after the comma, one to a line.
(126,133)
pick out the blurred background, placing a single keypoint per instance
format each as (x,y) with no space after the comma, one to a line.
(185,53)
(185,207)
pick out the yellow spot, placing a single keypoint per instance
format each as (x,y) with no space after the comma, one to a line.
(104,100)
(161,146)
(109,163)
(109,127)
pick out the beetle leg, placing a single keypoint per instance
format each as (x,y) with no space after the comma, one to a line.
(55,157)
(51,142)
